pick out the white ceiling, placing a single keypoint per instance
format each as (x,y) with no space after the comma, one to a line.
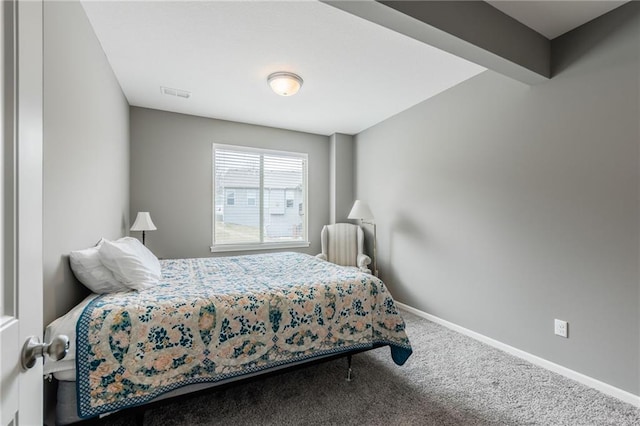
(552,18)
(356,73)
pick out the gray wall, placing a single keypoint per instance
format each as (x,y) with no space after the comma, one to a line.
(171,176)
(86,150)
(342,186)
(502,206)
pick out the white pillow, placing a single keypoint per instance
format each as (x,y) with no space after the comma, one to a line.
(131,263)
(89,270)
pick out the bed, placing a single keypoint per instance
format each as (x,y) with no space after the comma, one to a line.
(210,321)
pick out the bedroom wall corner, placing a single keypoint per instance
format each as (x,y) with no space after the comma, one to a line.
(86,150)
(342,174)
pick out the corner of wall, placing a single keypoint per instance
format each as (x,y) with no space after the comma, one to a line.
(342,176)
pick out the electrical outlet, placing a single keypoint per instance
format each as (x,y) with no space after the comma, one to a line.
(561,328)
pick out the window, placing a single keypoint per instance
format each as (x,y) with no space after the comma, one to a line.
(291,195)
(251,197)
(271,182)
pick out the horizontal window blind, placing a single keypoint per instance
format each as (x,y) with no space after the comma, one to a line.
(259,197)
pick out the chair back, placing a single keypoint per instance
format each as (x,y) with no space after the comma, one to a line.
(341,243)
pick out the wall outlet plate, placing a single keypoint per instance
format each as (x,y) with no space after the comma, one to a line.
(561,328)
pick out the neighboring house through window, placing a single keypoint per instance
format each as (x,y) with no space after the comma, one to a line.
(265,197)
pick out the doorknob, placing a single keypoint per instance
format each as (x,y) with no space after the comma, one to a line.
(32,349)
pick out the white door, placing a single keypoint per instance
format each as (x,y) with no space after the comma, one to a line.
(21,199)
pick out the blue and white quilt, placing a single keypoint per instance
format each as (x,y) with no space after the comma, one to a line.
(211,319)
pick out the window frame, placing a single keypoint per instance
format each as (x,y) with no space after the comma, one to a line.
(253,197)
(218,248)
(230,195)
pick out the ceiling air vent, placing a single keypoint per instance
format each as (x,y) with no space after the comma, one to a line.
(175,92)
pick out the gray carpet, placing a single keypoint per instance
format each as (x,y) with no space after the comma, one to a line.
(449,380)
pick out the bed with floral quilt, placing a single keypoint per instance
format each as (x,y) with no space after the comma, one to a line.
(214,319)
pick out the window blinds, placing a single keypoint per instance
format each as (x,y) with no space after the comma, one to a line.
(259,196)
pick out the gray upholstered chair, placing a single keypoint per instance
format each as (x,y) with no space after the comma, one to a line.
(342,244)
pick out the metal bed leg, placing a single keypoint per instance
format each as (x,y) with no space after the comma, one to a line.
(349,367)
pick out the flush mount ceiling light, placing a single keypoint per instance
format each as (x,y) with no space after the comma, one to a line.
(285,83)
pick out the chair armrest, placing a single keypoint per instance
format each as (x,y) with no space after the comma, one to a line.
(321,256)
(363,260)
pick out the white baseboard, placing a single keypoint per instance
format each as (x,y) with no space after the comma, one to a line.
(605,388)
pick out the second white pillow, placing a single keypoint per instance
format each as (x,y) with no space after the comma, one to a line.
(131,263)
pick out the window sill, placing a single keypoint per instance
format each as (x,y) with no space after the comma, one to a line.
(265,246)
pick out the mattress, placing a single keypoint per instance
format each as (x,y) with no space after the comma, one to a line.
(65,369)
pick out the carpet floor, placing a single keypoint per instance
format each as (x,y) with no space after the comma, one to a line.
(450,379)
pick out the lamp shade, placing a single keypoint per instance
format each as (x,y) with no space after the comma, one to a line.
(143,223)
(360,210)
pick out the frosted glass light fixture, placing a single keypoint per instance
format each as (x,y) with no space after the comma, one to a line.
(143,223)
(285,83)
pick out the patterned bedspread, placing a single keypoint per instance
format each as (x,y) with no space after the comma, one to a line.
(211,319)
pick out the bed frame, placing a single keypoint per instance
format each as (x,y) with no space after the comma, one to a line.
(205,388)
